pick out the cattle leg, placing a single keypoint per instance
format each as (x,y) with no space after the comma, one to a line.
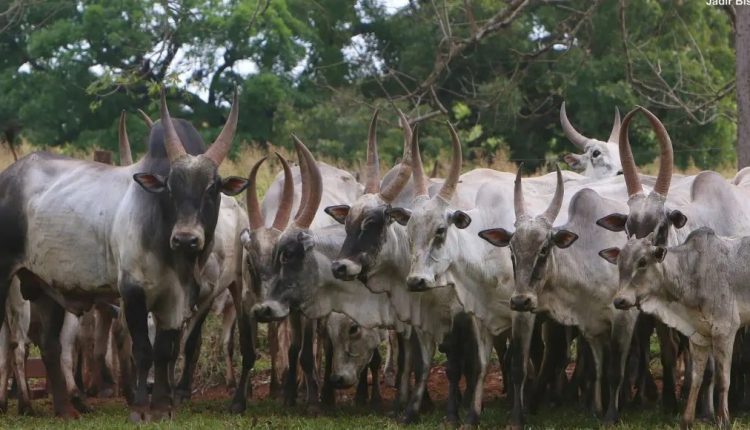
(499,343)
(51,316)
(455,353)
(18,319)
(70,360)
(669,364)
(745,364)
(229,316)
(166,349)
(124,346)
(522,331)
(4,365)
(374,366)
(553,336)
(404,370)
(621,338)
(705,406)
(307,362)
(699,356)
(136,316)
(427,349)
(184,388)
(391,352)
(484,349)
(723,358)
(420,369)
(598,351)
(246,328)
(328,395)
(290,384)
(104,383)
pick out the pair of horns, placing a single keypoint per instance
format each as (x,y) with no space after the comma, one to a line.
(372,169)
(554,207)
(312,192)
(217,152)
(126,155)
(666,157)
(580,140)
(448,190)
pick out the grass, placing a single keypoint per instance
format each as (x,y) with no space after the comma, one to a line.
(269,414)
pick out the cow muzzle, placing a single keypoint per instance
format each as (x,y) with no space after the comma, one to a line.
(345,269)
(622,303)
(523,302)
(418,283)
(191,240)
(270,311)
(339,381)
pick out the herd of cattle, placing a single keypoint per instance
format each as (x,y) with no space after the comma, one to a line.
(474,262)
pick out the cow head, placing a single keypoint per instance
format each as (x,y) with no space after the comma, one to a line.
(353,346)
(533,245)
(293,261)
(260,241)
(599,159)
(648,213)
(638,264)
(367,220)
(431,222)
(191,190)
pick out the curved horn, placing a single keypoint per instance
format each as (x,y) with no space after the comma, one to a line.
(554,206)
(126,157)
(518,203)
(420,182)
(146,119)
(666,159)
(615,133)
(304,172)
(253,207)
(287,197)
(172,143)
(372,171)
(629,169)
(306,216)
(571,133)
(218,151)
(392,190)
(449,186)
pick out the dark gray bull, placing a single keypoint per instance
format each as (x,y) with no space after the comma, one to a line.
(701,289)
(76,231)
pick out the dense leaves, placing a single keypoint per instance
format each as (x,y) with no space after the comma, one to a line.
(498,69)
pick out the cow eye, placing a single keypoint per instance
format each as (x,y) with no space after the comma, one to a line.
(353,330)
(642,263)
(440,231)
(596,153)
(543,252)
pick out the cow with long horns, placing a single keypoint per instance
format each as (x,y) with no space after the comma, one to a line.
(599,159)
(75,230)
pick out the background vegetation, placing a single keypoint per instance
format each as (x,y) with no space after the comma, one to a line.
(497,69)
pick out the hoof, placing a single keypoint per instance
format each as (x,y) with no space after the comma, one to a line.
(313,409)
(80,405)
(408,418)
(237,406)
(138,417)
(450,422)
(69,414)
(25,409)
(468,426)
(161,414)
(182,395)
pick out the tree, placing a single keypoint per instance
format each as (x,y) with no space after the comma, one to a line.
(742,49)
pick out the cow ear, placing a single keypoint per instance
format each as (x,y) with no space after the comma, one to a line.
(659,253)
(610,254)
(233,185)
(306,240)
(573,161)
(151,182)
(677,218)
(497,236)
(339,212)
(460,219)
(245,238)
(400,215)
(564,238)
(613,222)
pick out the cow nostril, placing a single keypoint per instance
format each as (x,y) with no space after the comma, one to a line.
(337,380)
(416,283)
(193,242)
(520,303)
(620,303)
(338,269)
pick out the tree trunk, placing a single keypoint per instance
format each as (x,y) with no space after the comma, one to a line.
(742,49)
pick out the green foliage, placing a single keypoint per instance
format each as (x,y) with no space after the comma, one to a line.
(318,69)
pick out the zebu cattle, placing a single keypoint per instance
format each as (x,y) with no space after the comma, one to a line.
(221,272)
(352,351)
(673,209)
(700,288)
(263,259)
(599,159)
(555,272)
(76,231)
(13,342)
